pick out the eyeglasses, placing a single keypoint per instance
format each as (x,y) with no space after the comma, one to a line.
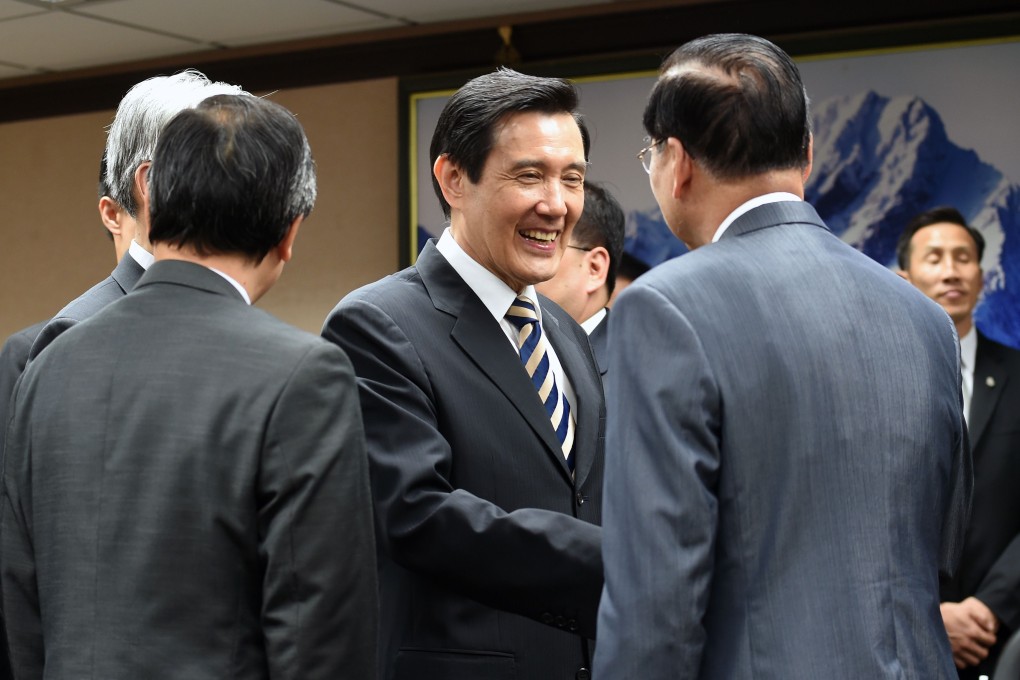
(645,154)
(569,245)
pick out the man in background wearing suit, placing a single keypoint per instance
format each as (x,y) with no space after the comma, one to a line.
(766,512)
(141,115)
(486,454)
(120,227)
(587,275)
(941,255)
(185,489)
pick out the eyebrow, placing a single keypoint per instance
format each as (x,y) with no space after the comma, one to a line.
(530,163)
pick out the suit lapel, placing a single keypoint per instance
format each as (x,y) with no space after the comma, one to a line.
(484,343)
(989,380)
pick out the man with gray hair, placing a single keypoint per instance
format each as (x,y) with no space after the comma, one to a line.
(141,116)
(224,529)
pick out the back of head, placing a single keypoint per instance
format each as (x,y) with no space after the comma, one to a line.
(601,224)
(737,104)
(230,177)
(141,116)
(467,125)
(941,215)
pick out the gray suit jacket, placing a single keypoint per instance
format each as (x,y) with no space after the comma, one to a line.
(185,495)
(786,468)
(13,358)
(489,553)
(990,565)
(115,286)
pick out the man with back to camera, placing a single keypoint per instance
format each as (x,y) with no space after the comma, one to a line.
(120,227)
(484,427)
(941,254)
(587,275)
(222,528)
(141,115)
(766,514)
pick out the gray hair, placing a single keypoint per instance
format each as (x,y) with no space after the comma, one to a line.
(141,116)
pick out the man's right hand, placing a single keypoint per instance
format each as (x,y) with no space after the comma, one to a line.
(971,627)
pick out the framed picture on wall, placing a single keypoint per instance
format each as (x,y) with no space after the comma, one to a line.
(896,131)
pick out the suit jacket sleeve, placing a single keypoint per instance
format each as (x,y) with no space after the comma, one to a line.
(320,608)
(17,566)
(534,562)
(660,509)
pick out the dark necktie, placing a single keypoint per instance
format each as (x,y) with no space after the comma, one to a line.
(535,357)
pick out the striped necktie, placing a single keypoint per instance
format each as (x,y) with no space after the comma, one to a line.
(535,357)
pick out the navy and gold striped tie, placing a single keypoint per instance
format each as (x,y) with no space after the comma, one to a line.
(535,357)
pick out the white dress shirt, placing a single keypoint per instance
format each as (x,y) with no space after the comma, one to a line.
(968,357)
(497,298)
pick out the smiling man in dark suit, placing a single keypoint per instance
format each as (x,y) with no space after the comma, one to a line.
(185,487)
(484,425)
(941,254)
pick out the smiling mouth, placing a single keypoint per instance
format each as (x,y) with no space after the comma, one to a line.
(539,236)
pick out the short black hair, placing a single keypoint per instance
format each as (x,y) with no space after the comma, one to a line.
(230,176)
(943,213)
(601,224)
(631,266)
(466,129)
(737,104)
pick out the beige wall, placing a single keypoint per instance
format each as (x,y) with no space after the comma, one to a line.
(54,247)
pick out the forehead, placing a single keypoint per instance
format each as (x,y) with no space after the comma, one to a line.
(943,235)
(532,131)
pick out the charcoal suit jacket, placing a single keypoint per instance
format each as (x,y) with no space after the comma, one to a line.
(115,286)
(489,551)
(185,495)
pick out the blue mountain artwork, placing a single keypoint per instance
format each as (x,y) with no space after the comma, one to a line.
(878,161)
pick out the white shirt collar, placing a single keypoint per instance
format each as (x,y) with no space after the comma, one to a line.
(490,289)
(592,322)
(140,255)
(235,284)
(774,197)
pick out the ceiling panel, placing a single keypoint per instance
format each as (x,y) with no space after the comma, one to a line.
(12,71)
(449,10)
(10,8)
(58,40)
(240,23)
(39,36)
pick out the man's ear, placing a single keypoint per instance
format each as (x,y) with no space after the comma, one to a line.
(903,274)
(596,262)
(285,249)
(108,213)
(806,172)
(681,164)
(142,185)
(451,180)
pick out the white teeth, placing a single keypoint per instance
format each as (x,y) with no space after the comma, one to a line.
(540,235)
